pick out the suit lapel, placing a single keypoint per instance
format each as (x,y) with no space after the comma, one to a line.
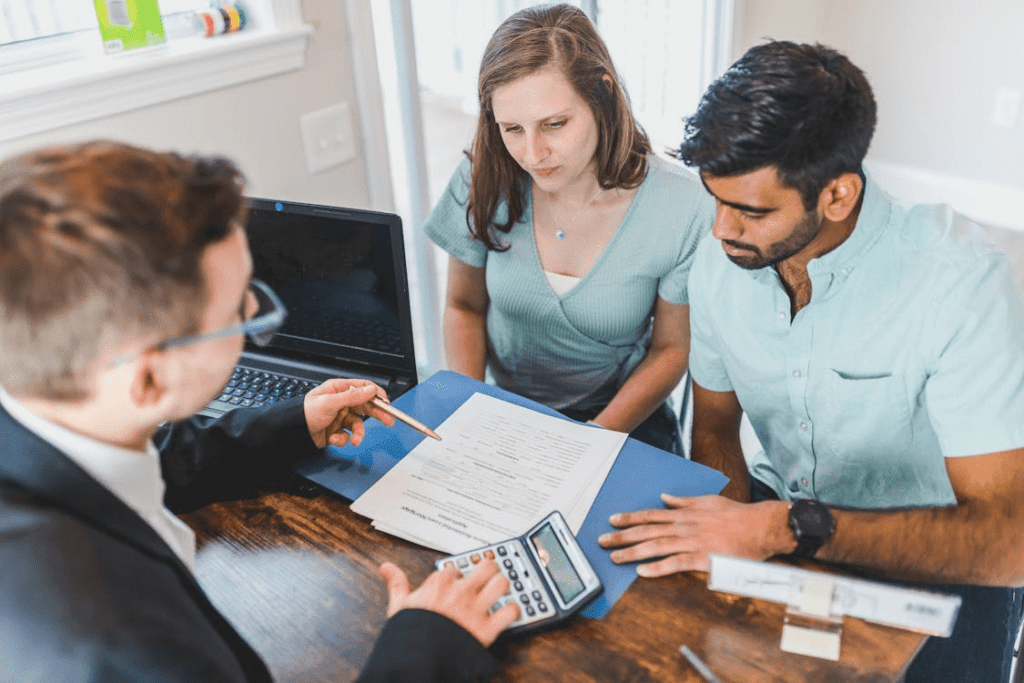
(36,466)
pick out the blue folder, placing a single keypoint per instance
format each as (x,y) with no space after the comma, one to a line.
(641,473)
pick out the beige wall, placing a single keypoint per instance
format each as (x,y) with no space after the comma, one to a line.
(935,66)
(256,124)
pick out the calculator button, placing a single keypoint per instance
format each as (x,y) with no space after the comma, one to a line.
(529,611)
(518,586)
(462,562)
(489,554)
(449,563)
(542,607)
(525,599)
(507,563)
(502,551)
(474,558)
(512,575)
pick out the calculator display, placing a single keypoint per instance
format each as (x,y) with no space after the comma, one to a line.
(552,555)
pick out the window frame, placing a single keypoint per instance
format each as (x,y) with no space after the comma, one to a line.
(84,87)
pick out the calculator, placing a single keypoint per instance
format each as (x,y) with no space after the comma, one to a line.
(547,572)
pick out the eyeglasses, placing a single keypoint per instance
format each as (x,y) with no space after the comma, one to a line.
(260,327)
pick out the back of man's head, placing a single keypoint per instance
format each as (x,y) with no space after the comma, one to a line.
(100,244)
(804,109)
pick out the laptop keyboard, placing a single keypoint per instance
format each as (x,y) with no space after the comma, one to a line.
(249,387)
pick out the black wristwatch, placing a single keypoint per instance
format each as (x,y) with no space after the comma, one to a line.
(812,525)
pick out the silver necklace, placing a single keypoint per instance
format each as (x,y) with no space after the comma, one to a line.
(559,232)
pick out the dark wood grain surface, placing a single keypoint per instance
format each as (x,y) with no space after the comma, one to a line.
(297,575)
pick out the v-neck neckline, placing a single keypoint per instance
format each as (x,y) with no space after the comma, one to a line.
(604,252)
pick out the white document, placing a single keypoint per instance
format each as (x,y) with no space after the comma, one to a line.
(499,470)
(911,609)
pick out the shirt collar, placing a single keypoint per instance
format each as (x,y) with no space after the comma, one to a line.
(872,222)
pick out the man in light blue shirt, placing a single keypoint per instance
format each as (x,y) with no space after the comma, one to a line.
(877,349)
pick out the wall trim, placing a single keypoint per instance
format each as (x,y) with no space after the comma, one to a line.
(45,98)
(370,99)
(987,203)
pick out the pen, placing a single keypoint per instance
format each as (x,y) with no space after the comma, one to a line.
(380,404)
(697,664)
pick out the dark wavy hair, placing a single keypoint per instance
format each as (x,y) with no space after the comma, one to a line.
(98,242)
(525,43)
(804,109)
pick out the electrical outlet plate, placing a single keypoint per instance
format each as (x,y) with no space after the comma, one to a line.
(327,135)
(1007,105)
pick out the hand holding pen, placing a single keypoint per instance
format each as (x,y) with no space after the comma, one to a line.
(335,411)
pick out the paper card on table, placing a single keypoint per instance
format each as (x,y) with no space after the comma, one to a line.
(499,469)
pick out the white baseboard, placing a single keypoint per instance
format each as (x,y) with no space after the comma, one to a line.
(987,203)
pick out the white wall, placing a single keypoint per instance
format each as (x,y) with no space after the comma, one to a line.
(256,124)
(935,66)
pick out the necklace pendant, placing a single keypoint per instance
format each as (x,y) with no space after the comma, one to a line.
(560,234)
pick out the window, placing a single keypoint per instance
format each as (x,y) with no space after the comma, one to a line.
(39,32)
(34,19)
(53,71)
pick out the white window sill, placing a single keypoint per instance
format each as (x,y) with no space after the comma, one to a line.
(49,97)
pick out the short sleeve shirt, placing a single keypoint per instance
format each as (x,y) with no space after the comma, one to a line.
(576,350)
(910,351)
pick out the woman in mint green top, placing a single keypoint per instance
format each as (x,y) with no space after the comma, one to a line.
(574,292)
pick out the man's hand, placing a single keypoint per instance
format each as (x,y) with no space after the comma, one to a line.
(338,405)
(463,599)
(690,528)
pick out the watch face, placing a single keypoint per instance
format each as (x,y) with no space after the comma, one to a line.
(811,519)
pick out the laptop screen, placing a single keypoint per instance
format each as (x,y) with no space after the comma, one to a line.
(341,274)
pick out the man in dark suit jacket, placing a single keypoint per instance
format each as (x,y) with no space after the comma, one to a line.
(125,284)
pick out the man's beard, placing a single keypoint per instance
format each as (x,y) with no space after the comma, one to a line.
(805,231)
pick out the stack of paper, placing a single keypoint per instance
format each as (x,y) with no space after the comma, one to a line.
(499,469)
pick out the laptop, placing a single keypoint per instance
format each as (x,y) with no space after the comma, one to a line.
(341,274)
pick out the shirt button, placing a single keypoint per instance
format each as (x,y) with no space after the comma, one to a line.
(803,426)
(782,316)
(805,482)
(796,373)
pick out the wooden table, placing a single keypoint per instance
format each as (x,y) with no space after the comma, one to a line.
(297,575)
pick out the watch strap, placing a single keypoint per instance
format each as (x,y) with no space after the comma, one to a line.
(806,547)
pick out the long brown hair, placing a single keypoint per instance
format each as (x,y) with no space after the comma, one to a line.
(526,42)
